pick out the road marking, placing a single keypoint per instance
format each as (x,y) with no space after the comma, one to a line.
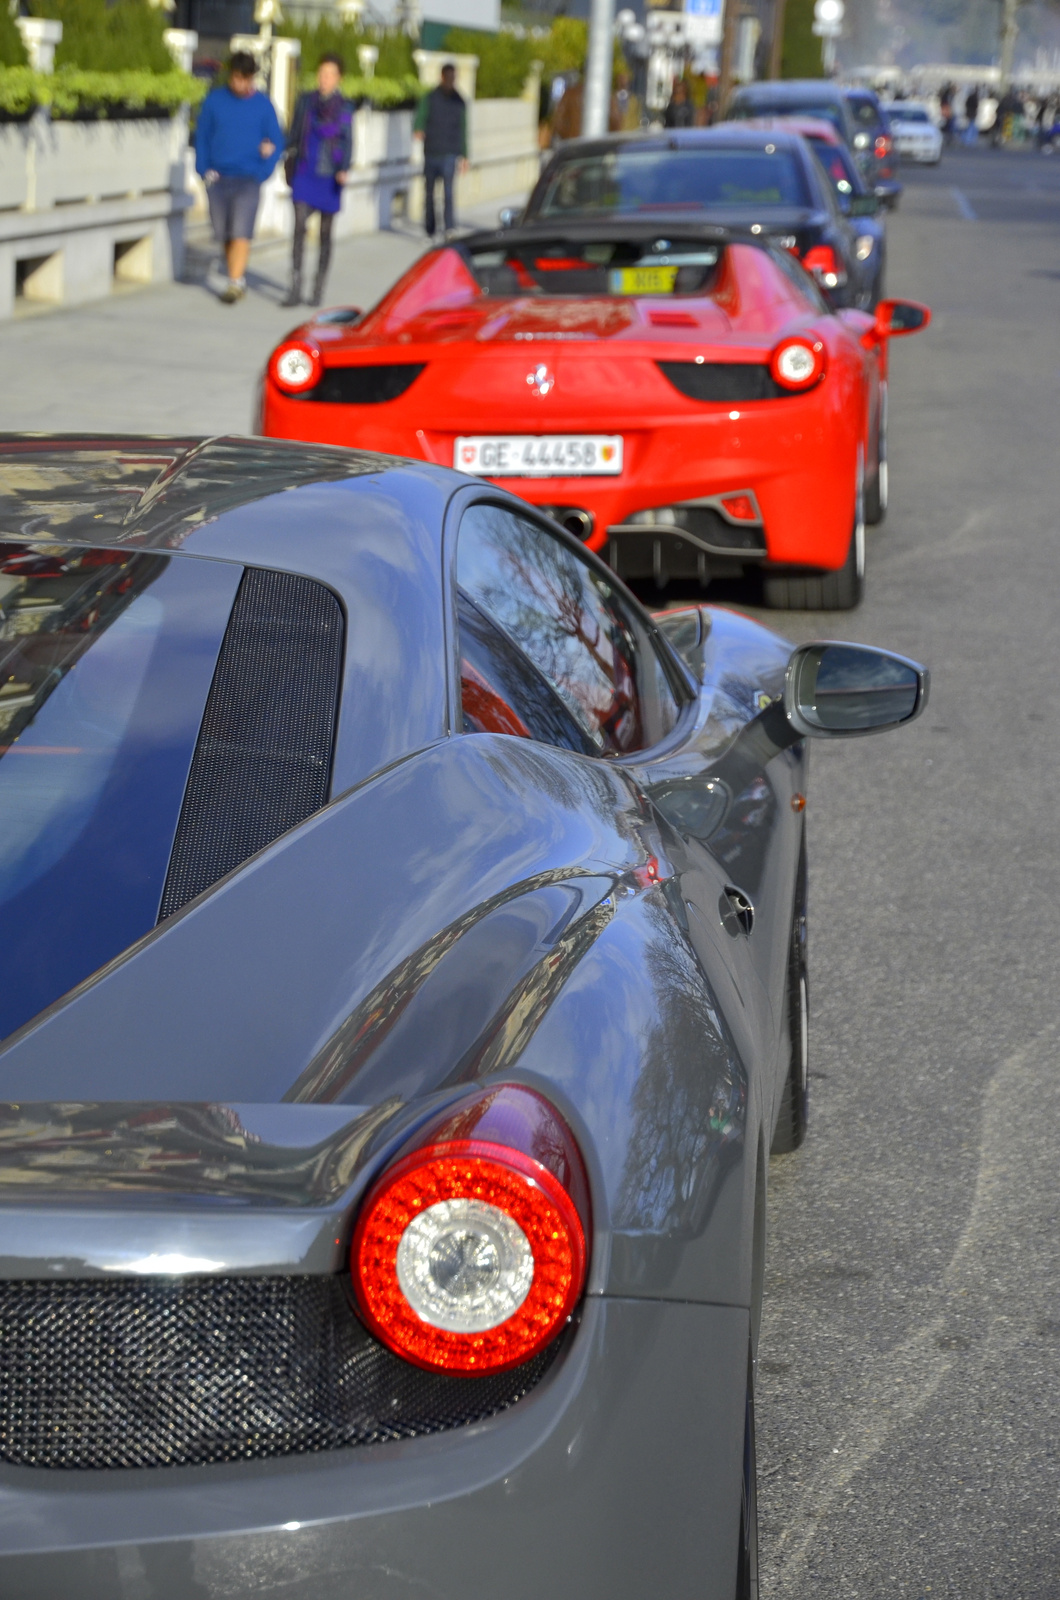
(964,205)
(1005,1260)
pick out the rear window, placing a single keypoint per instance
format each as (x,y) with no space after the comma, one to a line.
(838,166)
(601,267)
(691,178)
(902,113)
(794,106)
(106,660)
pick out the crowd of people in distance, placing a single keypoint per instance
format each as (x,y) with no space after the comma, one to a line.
(1016,115)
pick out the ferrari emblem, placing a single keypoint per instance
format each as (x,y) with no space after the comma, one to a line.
(541,380)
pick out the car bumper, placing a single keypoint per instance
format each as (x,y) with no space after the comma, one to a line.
(796,455)
(619,1475)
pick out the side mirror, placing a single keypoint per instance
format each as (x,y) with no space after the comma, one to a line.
(833,691)
(507,217)
(863,205)
(896,317)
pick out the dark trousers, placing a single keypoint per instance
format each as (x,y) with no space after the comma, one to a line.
(435,167)
(301,219)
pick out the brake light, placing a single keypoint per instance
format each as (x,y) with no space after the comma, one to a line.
(798,363)
(469,1254)
(826,267)
(740,507)
(296,366)
(884,145)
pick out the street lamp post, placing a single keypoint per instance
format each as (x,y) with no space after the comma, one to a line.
(828,25)
(596,104)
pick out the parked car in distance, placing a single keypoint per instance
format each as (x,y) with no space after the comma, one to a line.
(405,967)
(853,197)
(854,113)
(916,136)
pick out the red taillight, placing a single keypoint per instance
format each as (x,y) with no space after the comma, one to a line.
(884,146)
(798,363)
(296,366)
(825,266)
(740,507)
(469,1254)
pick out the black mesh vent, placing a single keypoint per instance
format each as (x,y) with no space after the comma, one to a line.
(365,386)
(151,1373)
(723,381)
(263,759)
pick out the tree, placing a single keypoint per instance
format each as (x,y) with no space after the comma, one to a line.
(801,56)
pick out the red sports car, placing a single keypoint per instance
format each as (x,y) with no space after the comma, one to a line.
(680,396)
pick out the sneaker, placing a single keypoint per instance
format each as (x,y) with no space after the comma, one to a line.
(234,292)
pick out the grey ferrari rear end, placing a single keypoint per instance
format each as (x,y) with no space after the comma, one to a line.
(403,944)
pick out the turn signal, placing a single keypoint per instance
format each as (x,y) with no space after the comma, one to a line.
(296,367)
(469,1254)
(798,363)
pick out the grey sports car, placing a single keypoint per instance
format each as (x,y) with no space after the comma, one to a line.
(404,981)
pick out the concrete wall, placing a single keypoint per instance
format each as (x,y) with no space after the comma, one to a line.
(87,205)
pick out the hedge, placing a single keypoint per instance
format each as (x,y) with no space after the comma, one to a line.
(97,37)
(801,54)
(12,50)
(69,92)
(386,94)
(332,37)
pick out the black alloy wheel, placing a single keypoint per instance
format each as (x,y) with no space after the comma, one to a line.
(747,1559)
(794,1116)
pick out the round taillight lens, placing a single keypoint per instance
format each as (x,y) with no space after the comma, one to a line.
(296,367)
(468,1256)
(798,363)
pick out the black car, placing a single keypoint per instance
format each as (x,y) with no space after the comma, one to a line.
(765,181)
(854,113)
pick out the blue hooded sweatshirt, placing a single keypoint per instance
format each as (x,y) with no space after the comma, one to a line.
(229,131)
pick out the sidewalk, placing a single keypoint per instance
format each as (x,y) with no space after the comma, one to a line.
(172,359)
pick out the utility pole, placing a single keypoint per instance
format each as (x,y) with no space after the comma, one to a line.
(776,48)
(1009,30)
(730,26)
(596,105)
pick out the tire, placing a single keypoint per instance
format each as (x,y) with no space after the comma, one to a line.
(794,1115)
(877,487)
(747,1558)
(820,591)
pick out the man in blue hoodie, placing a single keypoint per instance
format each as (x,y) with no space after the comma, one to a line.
(237,144)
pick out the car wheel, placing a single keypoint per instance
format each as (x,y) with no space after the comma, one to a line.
(821,591)
(794,1115)
(877,486)
(747,1561)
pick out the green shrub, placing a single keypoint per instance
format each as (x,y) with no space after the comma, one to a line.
(564,48)
(503,60)
(384,93)
(70,92)
(97,37)
(332,37)
(12,50)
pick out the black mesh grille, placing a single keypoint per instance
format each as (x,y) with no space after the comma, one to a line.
(365,386)
(263,759)
(150,1373)
(723,381)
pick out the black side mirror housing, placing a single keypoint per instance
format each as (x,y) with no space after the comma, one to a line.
(834,690)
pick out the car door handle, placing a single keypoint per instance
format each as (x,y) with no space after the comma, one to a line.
(736,911)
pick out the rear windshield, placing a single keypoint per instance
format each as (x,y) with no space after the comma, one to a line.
(839,167)
(601,267)
(106,659)
(687,178)
(902,113)
(792,106)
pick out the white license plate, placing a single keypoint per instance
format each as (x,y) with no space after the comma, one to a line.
(547,455)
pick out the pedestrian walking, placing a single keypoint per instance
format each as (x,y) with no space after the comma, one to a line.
(971,115)
(680,113)
(441,122)
(319,153)
(237,144)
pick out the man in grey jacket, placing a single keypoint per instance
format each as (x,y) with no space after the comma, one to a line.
(441,122)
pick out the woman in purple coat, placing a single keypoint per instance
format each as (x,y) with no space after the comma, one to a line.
(319,153)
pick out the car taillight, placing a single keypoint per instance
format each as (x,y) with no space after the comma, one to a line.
(884,146)
(296,366)
(469,1253)
(798,363)
(822,261)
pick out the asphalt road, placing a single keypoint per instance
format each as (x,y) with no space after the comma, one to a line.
(909,1400)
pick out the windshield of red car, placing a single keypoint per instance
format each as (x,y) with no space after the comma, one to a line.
(661,177)
(561,266)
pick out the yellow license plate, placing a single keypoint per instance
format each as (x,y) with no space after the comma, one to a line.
(643,280)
